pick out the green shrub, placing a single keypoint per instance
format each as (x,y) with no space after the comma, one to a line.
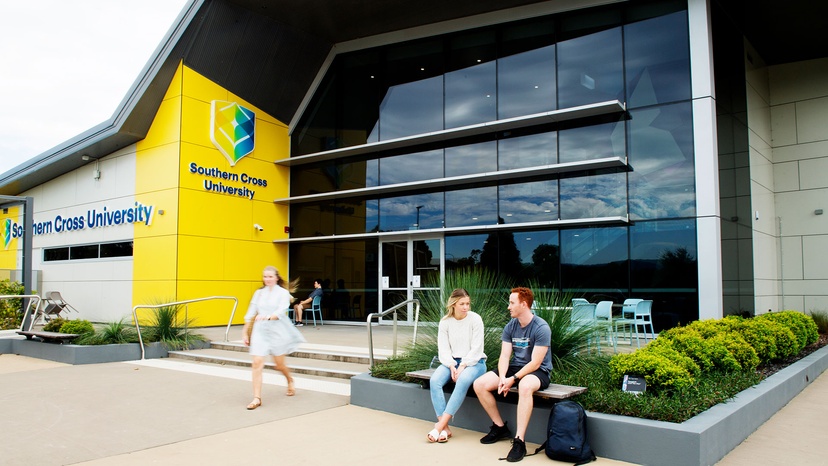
(169,328)
(770,339)
(803,327)
(821,320)
(742,352)
(661,365)
(78,326)
(54,325)
(112,333)
(11,310)
(708,353)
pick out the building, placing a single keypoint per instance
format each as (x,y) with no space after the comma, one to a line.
(670,150)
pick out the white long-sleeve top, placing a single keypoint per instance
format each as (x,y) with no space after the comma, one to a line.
(460,339)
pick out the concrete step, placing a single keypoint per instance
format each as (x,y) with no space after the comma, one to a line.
(320,364)
(337,354)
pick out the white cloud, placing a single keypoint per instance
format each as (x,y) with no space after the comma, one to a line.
(65,65)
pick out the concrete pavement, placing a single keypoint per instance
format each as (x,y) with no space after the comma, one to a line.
(178,413)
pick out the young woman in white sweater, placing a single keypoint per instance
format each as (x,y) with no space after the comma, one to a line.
(462,360)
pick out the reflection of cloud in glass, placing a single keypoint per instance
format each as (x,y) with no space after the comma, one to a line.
(655,135)
(412,108)
(592,142)
(472,158)
(529,202)
(526,83)
(527,151)
(470,95)
(596,196)
(418,166)
(401,213)
(590,68)
(471,207)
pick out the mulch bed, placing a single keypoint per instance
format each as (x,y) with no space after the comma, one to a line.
(774,367)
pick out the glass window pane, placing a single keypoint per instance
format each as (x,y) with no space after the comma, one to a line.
(317,128)
(472,207)
(311,220)
(662,182)
(83,252)
(372,216)
(527,151)
(657,56)
(358,107)
(590,69)
(592,142)
(526,69)
(464,251)
(539,252)
(413,98)
(421,211)
(528,202)
(116,249)
(594,196)
(594,260)
(418,166)
(350,216)
(470,82)
(55,254)
(472,158)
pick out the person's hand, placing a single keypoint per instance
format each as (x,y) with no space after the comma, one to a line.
(504,385)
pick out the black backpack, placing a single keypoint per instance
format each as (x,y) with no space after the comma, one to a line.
(567,434)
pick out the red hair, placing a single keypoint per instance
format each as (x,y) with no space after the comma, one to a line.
(525,295)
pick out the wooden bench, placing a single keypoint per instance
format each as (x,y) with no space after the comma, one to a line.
(552,392)
(50,337)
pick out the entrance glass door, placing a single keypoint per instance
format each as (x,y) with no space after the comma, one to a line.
(410,268)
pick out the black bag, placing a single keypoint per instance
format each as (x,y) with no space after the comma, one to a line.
(567,434)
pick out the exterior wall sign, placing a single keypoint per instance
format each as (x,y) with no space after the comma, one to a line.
(221,188)
(232,129)
(93,218)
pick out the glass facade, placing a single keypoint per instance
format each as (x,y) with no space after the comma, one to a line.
(552,172)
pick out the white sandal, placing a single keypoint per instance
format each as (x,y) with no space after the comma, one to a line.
(433,436)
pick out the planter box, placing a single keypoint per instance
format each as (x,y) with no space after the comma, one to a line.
(702,440)
(81,354)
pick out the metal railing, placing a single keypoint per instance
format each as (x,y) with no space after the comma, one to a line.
(186,317)
(30,299)
(393,309)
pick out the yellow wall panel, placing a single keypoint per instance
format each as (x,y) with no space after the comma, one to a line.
(175,85)
(272,141)
(152,292)
(200,258)
(9,244)
(200,88)
(274,220)
(157,168)
(166,126)
(196,121)
(209,214)
(219,311)
(154,258)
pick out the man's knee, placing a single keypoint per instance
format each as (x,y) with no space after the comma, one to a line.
(529,385)
(483,383)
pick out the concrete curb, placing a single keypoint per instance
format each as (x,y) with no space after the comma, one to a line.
(702,440)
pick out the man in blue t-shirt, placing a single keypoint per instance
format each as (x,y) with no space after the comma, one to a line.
(304,304)
(525,361)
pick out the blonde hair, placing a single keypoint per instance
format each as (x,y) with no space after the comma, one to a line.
(290,286)
(456,295)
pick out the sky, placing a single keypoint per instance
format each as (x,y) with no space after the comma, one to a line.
(65,66)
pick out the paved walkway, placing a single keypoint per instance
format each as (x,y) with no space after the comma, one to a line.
(178,413)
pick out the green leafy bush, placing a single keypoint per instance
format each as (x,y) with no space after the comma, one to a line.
(11,310)
(54,325)
(112,333)
(661,365)
(168,327)
(770,339)
(78,326)
(708,353)
(803,327)
(821,320)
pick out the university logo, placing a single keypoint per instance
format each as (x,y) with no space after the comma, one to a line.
(232,129)
(7,233)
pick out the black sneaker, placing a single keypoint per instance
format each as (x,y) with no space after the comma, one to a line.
(517,452)
(497,433)
(299,324)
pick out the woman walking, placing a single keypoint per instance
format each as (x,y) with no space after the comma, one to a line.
(272,332)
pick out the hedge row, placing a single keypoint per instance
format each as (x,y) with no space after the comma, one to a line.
(734,343)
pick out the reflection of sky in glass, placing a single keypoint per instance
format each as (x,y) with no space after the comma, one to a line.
(528,241)
(471,207)
(529,202)
(594,196)
(412,108)
(657,60)
(526,83)
(662,183)
(593,246)
(473,158)
(401,213)
(527,151)
(470,95)
(592,142)
(418,166)
(461,247)
(590,69)
(650,240)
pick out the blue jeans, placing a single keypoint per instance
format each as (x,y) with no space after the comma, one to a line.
(442,376)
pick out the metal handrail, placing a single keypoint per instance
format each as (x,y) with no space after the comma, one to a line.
(385,313)
(186,319)
(31,298)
